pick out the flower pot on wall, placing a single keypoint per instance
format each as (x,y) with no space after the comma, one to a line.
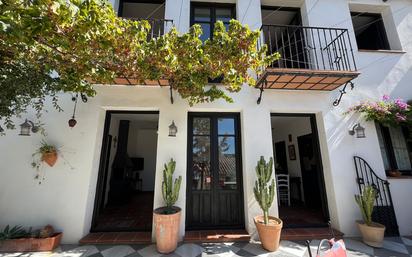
(269,234)
(167,228)
(49,158)
(372,235)
(31,244)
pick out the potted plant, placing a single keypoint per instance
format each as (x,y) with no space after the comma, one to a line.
(47,152)
(372,232)
(269,228)
(167,218)
(17,239)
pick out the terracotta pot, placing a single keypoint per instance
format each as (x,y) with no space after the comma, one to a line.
(269,234)
(49,158)
(167,229)
(31,244)
(394,173)
(372,235)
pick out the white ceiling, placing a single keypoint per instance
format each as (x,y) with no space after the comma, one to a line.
(277,16)
(143,10)
(282,121)
(136,117)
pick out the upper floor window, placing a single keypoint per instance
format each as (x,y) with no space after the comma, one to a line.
(396,148)
(206,15)
(142,9)
(370,31)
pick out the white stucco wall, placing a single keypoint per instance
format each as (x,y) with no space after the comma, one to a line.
(401,190)
(66,198)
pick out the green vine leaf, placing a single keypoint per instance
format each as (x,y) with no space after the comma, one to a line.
(48,47)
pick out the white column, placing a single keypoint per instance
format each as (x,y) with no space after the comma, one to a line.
(256,142)
(179,12)
(249,12)
(172,147)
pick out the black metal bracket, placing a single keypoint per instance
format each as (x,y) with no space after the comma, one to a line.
(343,92)
(171,94)
(261,92)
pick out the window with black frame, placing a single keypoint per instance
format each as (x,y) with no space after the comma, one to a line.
(396,148)
(207,14)
(370,31)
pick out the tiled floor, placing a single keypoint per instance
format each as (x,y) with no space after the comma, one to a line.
(393,247)
(209,236)
(134,214)
(300,215)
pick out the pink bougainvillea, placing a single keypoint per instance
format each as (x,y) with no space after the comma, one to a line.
(386,111)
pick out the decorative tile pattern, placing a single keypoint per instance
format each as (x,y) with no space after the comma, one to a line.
(393,247)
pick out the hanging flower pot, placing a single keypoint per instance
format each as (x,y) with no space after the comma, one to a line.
(47,153)
(50,158)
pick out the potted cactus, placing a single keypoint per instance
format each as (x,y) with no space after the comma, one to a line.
(268,227)
(372,232)
(167,218)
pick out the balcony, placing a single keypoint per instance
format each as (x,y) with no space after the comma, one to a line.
(157,28)
(312,58)
(154,13)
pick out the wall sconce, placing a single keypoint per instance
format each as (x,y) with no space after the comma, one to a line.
(28,126)
(358,130)
(172,129)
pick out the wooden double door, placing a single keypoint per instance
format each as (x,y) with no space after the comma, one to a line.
(214,175)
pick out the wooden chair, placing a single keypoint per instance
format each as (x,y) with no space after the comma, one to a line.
(283,188)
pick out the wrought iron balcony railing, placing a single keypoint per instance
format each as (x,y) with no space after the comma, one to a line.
(158,27)
(315,48)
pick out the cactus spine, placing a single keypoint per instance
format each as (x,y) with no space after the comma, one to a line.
(366,202)
(170,190)
(264,194)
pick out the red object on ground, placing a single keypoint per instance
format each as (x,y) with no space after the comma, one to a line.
(336,248)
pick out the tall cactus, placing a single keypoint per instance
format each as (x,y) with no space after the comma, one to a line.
(264,194)
(170,191)
(366,201)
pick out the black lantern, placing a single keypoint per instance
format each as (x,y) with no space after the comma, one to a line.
(28,126)
(172,129)
(358,130)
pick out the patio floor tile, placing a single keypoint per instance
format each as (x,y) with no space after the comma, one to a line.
(394,247)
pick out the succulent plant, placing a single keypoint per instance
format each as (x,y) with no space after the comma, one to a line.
(47,231)
(14,232)
(366,201)
(170,190)
(264,194)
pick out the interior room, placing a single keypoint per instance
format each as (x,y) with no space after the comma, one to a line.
(128,172)
(142,9)
(152,11)
(289,41)
(301,197)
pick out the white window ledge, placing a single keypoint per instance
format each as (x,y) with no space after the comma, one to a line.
(382,51)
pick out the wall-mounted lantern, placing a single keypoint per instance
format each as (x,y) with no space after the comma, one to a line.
(28,126)
(172,129)
(358,130)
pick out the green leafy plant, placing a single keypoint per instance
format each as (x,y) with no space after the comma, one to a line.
(14,232)
(264,193)
(52,46)
(37,156)
(170,190)
(366,202)
(46,148)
